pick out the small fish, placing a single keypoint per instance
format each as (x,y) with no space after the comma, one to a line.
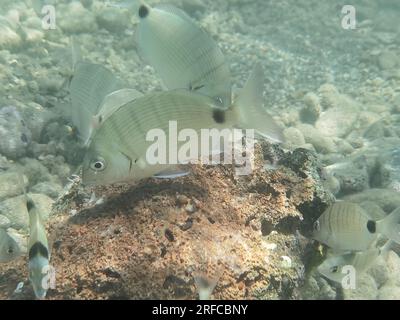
(9,249)
(117,150)
(333,267)
(38,248)
(345,226)
(183,54)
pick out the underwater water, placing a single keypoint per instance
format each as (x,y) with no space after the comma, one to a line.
(85,215)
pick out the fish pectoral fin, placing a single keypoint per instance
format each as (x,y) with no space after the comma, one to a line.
(172,173)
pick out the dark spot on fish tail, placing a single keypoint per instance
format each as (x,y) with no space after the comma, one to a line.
(38,249)
(24,138)
(219,116)
(143,11)
(371,226)
(30,205)
(100,119)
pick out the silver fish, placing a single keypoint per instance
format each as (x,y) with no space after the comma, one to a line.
(117,149)
(182,53)
(9,249)
(333,267)
(39,254)
(345,226)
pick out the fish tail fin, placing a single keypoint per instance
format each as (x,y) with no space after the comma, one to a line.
(390,226)
(250,109)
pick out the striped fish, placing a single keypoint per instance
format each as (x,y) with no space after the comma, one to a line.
(118,147)
(345,226)
(38,249)
(182,53)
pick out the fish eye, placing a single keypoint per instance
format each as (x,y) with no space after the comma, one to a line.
(98,164)
(334,269)
(316,226)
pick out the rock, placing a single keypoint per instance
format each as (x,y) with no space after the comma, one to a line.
(319,141)
(305,163)
(379,129)
(34,170)
(36,118)
(387,199)
(341,114)
(388,60)
(343,147)
(393,265)
(11,184)
(317,288)
(379,271)
(293,138)
(312,109)
(43,203)
(15,209)
(19,239)
(53,190)
(9,39)
(14,134)
(4,222)
(76,18)
(113,19)
(365,289)
(337,122)
(352,175)
(389,292)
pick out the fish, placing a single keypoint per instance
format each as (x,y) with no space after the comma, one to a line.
(117,149)
(38,251)
(9,249)
(333,267)
(183,54)
(345,226)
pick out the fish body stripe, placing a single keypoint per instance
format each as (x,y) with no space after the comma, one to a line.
(38,248)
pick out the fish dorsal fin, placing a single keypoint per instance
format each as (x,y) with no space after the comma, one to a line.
(114,101)
(250,108)
(89,86)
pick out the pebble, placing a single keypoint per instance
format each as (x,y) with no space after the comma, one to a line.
(388,60)
(387,199)
(113,19)
(365,289)
(15,136)
(312,109)
(293,138)
(76,18)
(15,209)
(321,143)
(10,184)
